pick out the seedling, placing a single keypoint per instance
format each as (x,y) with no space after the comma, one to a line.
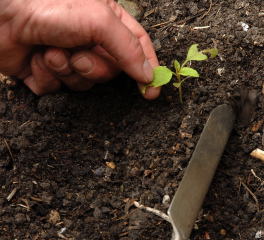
(163,75)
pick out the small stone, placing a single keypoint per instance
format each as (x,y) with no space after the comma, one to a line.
(220,71)
(54,217)
(132,7)
(222,232)
(166,200)
(259,234)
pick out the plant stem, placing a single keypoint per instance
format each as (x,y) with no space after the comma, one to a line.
(184,63)
(180,87)
(180,94)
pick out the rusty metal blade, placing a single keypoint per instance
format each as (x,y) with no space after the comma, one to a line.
(191,192)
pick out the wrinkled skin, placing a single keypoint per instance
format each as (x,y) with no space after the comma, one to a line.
(73,42)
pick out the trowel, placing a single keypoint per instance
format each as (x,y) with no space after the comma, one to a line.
(198,175)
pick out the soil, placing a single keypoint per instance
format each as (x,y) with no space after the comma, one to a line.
(72,163)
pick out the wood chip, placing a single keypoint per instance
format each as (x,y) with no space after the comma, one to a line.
(257,126)
(111,165)
(54,217)
(258,153)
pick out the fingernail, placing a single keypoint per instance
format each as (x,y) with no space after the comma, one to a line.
(31,83)
(83,65)
(58,63)
(148,70)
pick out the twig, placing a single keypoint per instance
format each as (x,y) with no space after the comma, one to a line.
(179,23)
(11,195)
(162,24)
(9,150)
(202,27)
(153,210)
(257,177)
(251,193)
(23,206)
(209,9)
(26,204)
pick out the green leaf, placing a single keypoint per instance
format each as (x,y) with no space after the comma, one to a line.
(161,76)
(194,54)
(177,65)
(187,71)
(177,84)
(212,51)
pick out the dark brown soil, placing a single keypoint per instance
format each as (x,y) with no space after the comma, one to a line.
(55,150)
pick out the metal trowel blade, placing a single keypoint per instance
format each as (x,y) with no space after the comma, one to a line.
(191,192)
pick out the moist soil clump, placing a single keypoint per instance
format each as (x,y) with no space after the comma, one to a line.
(71,164)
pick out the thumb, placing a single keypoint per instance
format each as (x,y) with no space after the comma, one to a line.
(125,47)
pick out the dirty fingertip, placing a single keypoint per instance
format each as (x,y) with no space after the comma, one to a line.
(149,93)
(152,93)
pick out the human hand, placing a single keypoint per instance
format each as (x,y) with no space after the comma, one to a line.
(79,43)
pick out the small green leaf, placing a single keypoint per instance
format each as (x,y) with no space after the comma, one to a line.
(212,51)
(187,71)
(194,54)
(177,65)
(161,76)
(177,84)
(142,88)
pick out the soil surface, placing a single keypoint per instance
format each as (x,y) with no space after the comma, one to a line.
(71,164)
